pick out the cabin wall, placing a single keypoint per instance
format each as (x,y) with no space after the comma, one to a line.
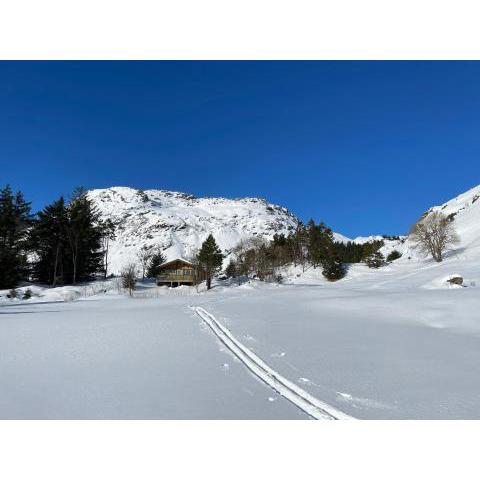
(179,273)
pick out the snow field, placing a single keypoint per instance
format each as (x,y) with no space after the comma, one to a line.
(299,397)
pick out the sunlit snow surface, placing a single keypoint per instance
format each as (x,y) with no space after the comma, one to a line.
(398,342)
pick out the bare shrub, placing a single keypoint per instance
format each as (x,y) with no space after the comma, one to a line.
(129,278)
(12,293)
(144,256)
(433,234)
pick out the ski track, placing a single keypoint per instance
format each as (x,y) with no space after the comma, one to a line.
(305,401)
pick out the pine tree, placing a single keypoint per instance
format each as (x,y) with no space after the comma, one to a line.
(210,259)
(320,241)
(231,270)
(375,260)
(84,233)
(14,222)
(298,245)
(157,259)
(369,248)
(50,243)
(333,268)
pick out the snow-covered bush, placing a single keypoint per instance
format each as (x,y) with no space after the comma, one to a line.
(393,255)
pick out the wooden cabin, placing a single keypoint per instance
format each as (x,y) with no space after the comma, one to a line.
(179,272)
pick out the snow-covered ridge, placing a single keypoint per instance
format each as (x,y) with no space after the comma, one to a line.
(178,223)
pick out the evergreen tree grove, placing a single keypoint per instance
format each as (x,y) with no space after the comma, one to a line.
(14,222)
(66,240)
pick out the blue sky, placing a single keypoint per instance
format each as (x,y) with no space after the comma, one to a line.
(364,146)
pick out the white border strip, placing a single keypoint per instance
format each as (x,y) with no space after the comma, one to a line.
(292,392)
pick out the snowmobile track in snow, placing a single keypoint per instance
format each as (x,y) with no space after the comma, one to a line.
(292,392)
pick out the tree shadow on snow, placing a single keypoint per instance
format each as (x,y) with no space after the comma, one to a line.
(31,311)
(31,303)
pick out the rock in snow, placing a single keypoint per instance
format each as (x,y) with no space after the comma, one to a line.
(456,280)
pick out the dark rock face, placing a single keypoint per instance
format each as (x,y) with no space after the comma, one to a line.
(456,280)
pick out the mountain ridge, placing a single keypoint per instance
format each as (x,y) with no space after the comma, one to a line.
(178,223)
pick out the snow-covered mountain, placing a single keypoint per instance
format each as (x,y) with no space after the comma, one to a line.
(178,223)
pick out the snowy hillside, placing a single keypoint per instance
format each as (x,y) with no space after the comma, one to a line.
(179,223)
(464,212)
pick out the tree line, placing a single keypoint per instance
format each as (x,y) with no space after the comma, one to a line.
(67,242)
(311,245)
(64,243)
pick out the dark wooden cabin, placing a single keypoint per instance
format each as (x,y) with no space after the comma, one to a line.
(179,272)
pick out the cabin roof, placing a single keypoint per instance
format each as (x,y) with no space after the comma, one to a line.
(182,260)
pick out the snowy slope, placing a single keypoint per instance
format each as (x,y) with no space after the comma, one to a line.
(179,223)
(464,211)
